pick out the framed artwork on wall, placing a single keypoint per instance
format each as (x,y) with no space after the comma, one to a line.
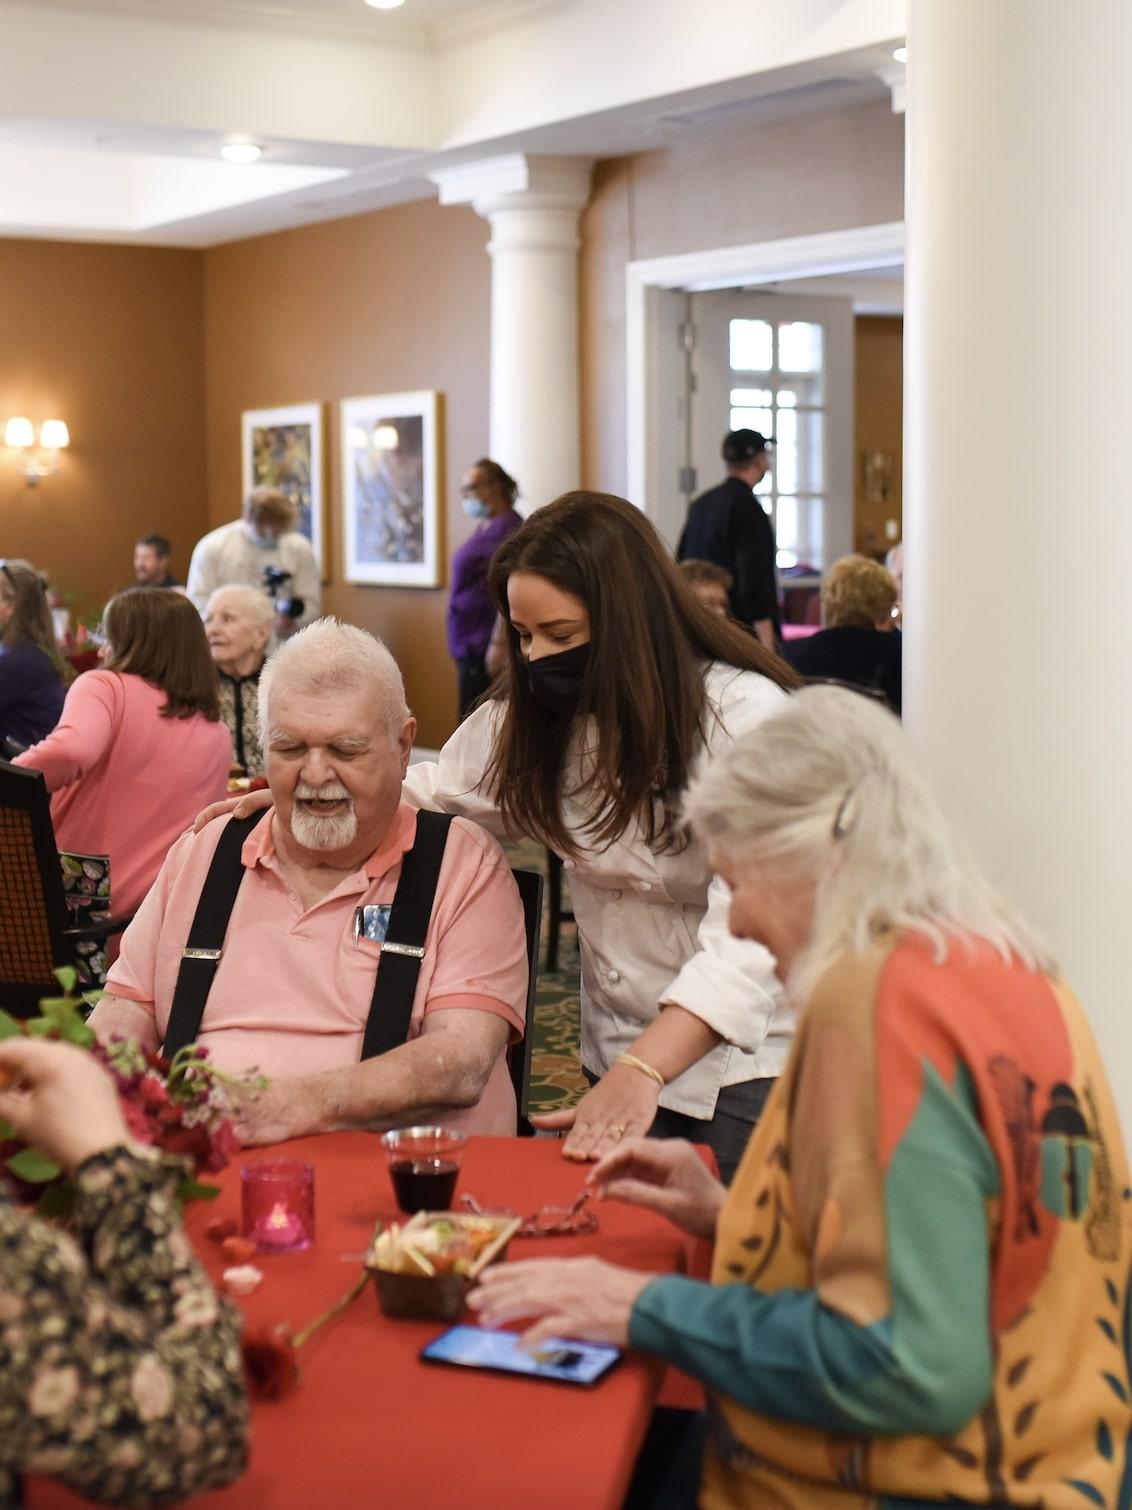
(282,448)
(391,489)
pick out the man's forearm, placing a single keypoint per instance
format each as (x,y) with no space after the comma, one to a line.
(434,1074)
(115,1017)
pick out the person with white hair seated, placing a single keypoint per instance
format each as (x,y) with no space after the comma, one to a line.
(920,1291)
(237,621)
(369,959)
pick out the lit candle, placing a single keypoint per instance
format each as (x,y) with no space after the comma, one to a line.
(278,1205)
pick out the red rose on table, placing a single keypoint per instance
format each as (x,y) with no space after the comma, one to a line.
(271,1369)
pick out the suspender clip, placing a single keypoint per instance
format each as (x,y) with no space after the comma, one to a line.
(409,950)
(213,954)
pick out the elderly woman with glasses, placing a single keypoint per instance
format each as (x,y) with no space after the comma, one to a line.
(920,1289)
(33,674)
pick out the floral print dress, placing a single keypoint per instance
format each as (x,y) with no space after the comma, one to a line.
(120,1367)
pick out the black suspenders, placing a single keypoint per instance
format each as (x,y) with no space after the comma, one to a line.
(401,951)
(202,950)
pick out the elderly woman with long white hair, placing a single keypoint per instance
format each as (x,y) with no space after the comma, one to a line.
(920,1289)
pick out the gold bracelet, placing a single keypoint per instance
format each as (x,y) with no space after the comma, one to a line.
(646,1069)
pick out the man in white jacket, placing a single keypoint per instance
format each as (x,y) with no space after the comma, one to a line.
(261,549)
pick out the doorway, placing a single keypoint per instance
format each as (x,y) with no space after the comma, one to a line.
(664,438)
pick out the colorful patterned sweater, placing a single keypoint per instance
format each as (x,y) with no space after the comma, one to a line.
(120,1369)
(920,1291)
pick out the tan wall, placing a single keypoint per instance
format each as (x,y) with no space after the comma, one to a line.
(380,303)
(109,339)
(879,425)
(151,355)
(721,186)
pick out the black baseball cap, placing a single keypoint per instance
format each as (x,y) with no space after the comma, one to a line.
(743,445)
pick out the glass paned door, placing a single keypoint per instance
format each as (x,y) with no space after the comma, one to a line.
(776,364)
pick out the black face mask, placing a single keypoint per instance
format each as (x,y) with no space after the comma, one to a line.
(556,680)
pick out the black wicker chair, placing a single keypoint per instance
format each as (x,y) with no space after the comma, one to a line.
(35,936)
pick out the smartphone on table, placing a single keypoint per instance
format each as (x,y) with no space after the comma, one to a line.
(558,1358)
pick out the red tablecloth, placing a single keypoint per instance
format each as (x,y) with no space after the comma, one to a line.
(370,1425)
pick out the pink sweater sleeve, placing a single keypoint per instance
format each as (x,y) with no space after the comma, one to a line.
(83,734)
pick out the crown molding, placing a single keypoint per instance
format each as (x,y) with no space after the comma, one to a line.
(492,16)
(370,26)
(378,29)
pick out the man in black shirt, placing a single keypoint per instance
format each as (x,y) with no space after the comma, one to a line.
(729,526)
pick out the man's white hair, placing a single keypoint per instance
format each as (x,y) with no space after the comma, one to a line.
(826,792)
(328,656)
(255,604)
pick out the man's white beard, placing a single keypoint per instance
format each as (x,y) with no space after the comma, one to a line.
(326,832)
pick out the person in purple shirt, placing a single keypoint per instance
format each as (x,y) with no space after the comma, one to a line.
(32,672)
(489,495)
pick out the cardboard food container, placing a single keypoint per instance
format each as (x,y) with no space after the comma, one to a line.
(438,1297)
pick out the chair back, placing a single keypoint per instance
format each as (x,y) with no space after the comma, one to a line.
(33,915)
(530,884)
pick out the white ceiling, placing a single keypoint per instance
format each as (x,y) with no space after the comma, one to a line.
(112,112)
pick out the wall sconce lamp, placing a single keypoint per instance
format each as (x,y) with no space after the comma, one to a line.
(37,461)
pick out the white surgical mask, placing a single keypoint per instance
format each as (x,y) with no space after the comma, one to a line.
(265,542)
(475,507)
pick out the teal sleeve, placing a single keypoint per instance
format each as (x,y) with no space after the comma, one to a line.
(924,1368)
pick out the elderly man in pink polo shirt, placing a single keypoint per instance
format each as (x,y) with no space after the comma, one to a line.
(372,964)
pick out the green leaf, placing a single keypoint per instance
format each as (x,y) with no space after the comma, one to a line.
(30,1165)
(56,1201)
(9,1027)
(6,1131)
(77,1033)
(67,976)
(192,1190)
(40,1027)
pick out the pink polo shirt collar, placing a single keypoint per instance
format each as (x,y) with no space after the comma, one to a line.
(259,847)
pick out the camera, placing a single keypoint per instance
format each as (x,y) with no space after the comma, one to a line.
(274,578)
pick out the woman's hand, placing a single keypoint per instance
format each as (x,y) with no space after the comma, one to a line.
(242,807)
(665,1175)
(60,1100)
(574,1297)
(621,1105)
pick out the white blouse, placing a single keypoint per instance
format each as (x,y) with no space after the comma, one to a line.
(652,927)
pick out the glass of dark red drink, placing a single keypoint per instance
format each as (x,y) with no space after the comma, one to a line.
(424,1165)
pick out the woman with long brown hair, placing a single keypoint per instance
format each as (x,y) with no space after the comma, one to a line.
(33,674)
(140,746)
(618,681)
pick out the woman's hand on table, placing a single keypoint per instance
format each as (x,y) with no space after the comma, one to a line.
(572,1297)
(242,807)
(60,1100)
(621,1105)
(665,1175)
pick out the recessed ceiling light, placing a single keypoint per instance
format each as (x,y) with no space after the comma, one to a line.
(241,152)
(900,54)
(385,4)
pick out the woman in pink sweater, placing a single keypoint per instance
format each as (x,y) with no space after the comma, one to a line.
(140,746)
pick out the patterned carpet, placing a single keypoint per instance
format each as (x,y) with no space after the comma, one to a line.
(556,1072)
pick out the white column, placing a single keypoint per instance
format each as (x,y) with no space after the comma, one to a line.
(1018,500)
(532,205)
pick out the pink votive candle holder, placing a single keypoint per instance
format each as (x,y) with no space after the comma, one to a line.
(277,1205)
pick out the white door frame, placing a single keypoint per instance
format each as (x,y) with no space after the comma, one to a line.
(648,319)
